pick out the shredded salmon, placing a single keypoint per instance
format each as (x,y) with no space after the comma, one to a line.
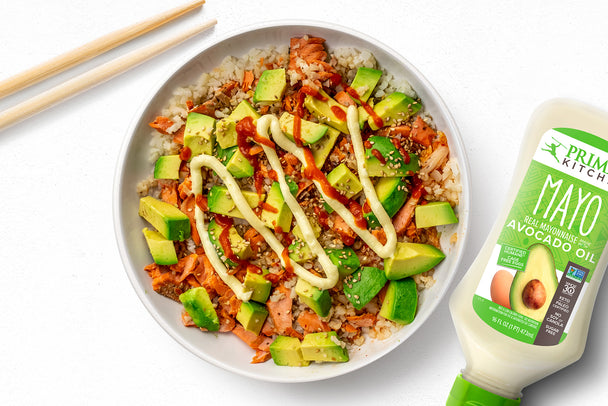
(340,226)
(363,320)
(344,99)
(402,130)
(187,207)
(185,266)
(161,124)
(312,51)
(280,311)
(178,136)
(168,192)
(247,80)
(422,133)
(260,356)
(311,323)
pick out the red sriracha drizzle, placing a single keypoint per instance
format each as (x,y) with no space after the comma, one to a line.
(353,93)
(245,129)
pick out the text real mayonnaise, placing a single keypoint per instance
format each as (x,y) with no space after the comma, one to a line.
(522,310)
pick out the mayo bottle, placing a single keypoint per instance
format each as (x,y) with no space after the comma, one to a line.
(522,310)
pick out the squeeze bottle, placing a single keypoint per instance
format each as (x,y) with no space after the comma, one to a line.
(522,310)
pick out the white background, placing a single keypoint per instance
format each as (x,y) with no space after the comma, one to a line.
(72,330)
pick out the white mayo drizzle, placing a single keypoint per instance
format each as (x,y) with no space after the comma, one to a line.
(387,249)
(239,200)
(384,251)
(197,188)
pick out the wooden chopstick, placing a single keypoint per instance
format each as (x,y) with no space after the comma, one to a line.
(90,50)
(93,77)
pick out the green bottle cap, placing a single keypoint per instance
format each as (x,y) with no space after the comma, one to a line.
(464,393)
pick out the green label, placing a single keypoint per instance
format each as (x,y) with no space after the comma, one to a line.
(553,237)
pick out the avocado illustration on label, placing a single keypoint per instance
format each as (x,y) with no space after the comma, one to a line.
(533,288)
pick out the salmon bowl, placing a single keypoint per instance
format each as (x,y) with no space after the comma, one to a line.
(269,289)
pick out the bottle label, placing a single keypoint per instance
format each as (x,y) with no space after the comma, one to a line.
(551,242)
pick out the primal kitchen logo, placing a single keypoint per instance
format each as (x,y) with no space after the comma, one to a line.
(578,160)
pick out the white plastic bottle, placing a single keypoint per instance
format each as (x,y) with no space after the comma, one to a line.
(522,310)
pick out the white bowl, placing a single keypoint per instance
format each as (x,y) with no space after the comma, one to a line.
(226,350)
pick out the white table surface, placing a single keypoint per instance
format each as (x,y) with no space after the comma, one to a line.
(73,331)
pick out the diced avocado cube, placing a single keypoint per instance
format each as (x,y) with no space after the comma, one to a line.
(198,305)
(392,194)
(225,129)
(167,167)
(363,285)
(235,162)
(343,180)
(401,301)
(270,87)
(199,134)
(345,259)
(318,300)
(394,163)
(365,81)
(309,132)
(260,287)
(316,229)
(411,259)
(394,108)
(300,252)
(324,347)
(252,316)
(327,111)
(322,148)
(220,201)
(276,214)
(166,218)
(161,249)
(286,351)
(434,214)
(239,246)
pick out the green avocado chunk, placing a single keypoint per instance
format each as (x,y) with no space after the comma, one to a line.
(411,259)
(401,301)
(325,111)
(236,163)
(394,108)
(392,194)
(324,347)
(394,165)
(167,167)
(161,249)
(322,148)
(365,81)
(240,247)
(287,351)
(166,218)
(219,201)
(252,316)
(345,259)
(270,87)
(434,214)
(276,213)
(309,132)
(363,285)
(318,300)
(197,303)
(344,181)
(539,274)
(225,129)
(199,134)
(259,286)
(300,252)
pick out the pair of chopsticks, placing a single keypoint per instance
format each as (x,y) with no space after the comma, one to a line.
(97,75)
